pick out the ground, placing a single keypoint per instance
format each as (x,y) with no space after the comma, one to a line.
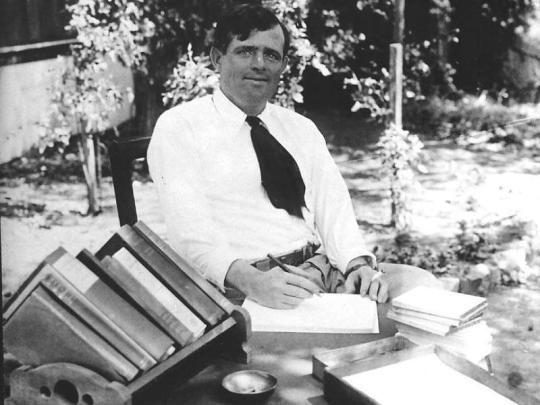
(484,186)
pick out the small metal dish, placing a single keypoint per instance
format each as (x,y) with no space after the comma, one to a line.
(249,384)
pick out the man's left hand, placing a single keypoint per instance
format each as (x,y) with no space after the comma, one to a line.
(367,281)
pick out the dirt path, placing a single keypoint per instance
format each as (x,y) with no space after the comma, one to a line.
(458,185)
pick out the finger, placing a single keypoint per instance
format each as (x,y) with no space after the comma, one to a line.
(298,292)
(374,288)
(383,292)
(365,281)
(299,281)
(351,284)
(302,273)
(290,302)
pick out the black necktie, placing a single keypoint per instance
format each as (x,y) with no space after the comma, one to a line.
(280,175)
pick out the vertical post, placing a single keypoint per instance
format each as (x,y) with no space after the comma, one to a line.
(396,83)
(396,64)
(399,21)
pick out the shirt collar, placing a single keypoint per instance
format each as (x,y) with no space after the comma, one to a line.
(234,115)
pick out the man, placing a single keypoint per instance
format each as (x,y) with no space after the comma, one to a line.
(239,178)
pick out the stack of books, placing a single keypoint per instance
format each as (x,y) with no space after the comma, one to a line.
(448,319)
(119,316)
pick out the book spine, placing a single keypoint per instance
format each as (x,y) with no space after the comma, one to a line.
(175,278)
(171,303)
(134,323)
(102,348)
(97,320)
(437,329)
(147,301)
(159,244)
(426,317)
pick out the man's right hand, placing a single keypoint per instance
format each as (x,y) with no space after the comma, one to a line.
(274,288)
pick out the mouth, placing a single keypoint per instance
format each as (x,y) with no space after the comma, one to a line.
(257,79)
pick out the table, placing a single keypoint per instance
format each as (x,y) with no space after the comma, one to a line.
(285,355)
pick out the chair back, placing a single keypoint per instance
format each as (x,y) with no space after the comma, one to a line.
(122,154)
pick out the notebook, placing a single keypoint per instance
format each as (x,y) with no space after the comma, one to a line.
(327,313)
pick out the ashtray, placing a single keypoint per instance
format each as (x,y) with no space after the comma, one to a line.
(249,384)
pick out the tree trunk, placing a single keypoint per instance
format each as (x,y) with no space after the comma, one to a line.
(87,155)
(147,105)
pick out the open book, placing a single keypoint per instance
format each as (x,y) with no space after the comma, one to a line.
(327,313)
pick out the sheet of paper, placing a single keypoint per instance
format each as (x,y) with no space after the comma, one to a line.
(327,313)
(423,380)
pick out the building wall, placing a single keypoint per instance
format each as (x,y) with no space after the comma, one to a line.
(25,100)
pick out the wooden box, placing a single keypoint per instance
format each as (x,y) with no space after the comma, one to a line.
(340,388)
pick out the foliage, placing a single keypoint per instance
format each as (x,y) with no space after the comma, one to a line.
(293,14)
(442,51)
(192,77)
(470,245)
(399,152)
(83,99)
(474,120)
(119,29)
(348,40)
(405,249)
(487,29)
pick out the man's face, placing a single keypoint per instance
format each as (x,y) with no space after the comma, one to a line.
(250,69)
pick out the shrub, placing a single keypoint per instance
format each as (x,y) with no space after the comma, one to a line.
(471,117)
(399,152)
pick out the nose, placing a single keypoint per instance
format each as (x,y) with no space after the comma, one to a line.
(257,61)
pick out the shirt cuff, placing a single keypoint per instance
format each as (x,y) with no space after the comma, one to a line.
(216,267)
(344,260)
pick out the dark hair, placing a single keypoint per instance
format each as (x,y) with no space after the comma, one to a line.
(242,20)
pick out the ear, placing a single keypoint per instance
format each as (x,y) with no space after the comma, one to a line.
(215,57)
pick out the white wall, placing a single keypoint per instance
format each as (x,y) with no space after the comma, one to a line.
(25,99)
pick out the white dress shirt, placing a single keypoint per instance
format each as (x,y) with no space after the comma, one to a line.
(202,160)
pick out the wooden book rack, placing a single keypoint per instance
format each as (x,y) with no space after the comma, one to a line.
(226,334)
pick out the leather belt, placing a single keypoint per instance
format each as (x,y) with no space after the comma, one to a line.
(294,258)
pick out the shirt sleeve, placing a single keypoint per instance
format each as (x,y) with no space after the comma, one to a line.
(335,219)
(175,169)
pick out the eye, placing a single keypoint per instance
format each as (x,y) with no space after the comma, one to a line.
(272,56)
(245,51)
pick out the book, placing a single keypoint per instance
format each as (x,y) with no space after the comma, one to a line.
(159,244)
(432,318)
(175,278)
(327,313)
(144,289)
(29,284)
(442,303)
(435,326)
(474,342)
(42,331)
(119,310)
(95,319)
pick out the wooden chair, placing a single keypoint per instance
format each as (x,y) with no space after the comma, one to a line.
(122,154)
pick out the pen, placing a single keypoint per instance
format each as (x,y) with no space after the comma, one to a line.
(283,267)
